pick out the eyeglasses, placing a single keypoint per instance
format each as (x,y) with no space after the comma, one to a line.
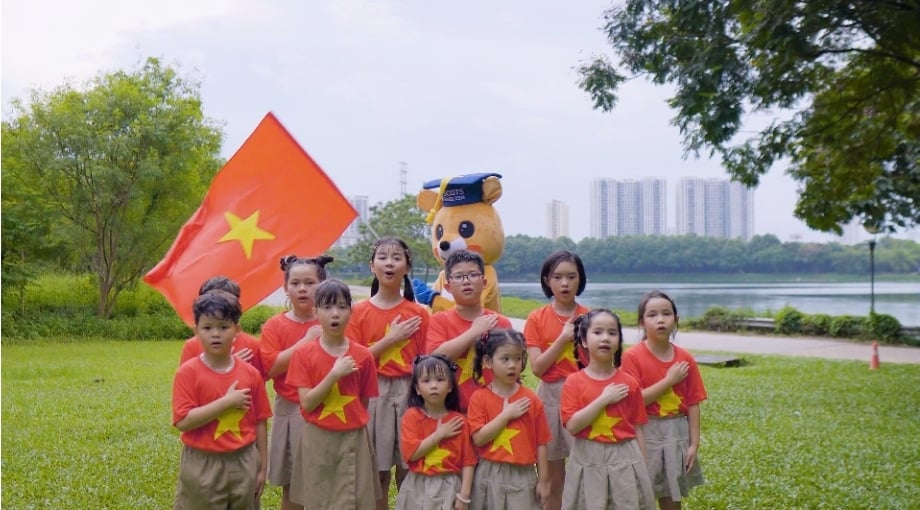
(457,278)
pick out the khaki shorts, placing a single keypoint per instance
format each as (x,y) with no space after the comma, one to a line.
(386,411)
(287,427)
(217,480)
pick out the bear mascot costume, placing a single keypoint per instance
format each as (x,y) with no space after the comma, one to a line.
(462,217)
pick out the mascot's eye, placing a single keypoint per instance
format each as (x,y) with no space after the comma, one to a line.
(439,232)
(467,229)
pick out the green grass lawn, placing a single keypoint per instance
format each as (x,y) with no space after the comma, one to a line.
(87,425)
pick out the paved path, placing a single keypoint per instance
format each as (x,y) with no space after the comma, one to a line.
(746,344)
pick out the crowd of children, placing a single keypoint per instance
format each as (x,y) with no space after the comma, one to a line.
(383,386)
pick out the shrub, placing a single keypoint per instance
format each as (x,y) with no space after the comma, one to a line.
(883,327)
(846,326)
(788,321)
(716,319)
(818,324)
(255,317)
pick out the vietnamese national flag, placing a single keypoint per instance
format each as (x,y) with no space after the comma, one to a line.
(270,200)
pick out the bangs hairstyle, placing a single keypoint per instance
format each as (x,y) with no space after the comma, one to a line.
(463,256)
(439,366)
(550,264)
(293,260)
(331,292)
(394,242)
(652,295)
(489,342)
(218,304)
(583,324)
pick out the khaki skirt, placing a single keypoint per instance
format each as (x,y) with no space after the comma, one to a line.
(607,476)
(386,412)
(284,440)
(502,486)
(421,492)
(666,443)
(561,443)
(334,470)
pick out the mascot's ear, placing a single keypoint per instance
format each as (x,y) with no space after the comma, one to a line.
(426,199)
(491,189)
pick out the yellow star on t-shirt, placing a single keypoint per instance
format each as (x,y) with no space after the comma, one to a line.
(435,458)
(669,403)
(335,403)
(229,421)
(504,440)
(393,352)
(568,353)
(602,426)
(466,365)
(247,231)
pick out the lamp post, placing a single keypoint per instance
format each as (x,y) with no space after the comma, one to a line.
(872,276)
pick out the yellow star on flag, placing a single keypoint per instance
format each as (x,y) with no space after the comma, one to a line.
(504,440)
(247,231)
(435,459)
(466,365)
(602,426)
(229,421)
(669,403)
(335,403)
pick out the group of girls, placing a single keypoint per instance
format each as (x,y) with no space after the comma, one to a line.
(604,429)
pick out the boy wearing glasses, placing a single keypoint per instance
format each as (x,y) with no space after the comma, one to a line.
(454,332)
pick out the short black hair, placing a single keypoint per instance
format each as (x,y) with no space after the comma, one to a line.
(463,256)
(220,283)
(556,258)
(330,292)
(218,304)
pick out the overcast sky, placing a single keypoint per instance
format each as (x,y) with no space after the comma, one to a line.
(446,87)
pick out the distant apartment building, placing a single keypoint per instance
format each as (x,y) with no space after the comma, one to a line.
(352,234)
(628,207)
(557,219)
(715,208)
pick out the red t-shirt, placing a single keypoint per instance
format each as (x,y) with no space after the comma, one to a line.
(617,421)
(542,328)
(342,408)
(644,366)
(448,325)
(369,323)
(278,334)
(518,442)
(192,348)
(449,456)
(195,385)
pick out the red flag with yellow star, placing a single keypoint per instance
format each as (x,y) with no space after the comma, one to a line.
(270,200)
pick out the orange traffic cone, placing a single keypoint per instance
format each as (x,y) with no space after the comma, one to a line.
(873,363)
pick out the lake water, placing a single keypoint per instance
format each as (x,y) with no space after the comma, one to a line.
(900,300)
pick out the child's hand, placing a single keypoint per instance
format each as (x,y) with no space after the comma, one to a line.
(516,409)
(313,333)
(448,428)
(543,491)
(484,323)
(690,458)
(240,399)
(405,329)
(244,354)
(344,366)
(568,330)
(614,393)
(678,372)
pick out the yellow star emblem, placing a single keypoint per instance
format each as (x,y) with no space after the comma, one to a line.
(435,458)
(335,403)
(504,440)
(229,421)
(394,354)
(669,403)
(602,426)
(466,365)
(567,354)
(247,231)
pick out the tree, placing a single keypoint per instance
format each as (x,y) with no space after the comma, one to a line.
(121,163)
(848,73)
(398,218)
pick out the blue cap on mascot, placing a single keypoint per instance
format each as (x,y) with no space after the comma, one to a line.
(460,190)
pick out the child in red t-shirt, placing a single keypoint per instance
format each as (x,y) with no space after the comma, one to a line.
(509,427)
(602,407)
(454,332)
(245,346)
(220,405)
(435,440)
(393,327)
(672,389)
(280,335)
(335,378)
(549,331)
